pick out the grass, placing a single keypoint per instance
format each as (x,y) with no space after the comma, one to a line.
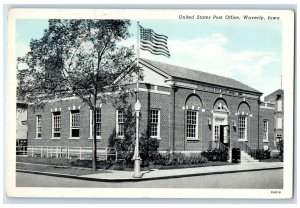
(58,169)
(73,165)
(210,163)
(271,160)
(46,161)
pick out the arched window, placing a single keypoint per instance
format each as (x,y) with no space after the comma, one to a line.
(243,120)
(193,105)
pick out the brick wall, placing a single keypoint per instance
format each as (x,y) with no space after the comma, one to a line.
(151,100)
(204,130)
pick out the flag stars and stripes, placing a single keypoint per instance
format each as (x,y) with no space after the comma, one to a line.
(153,42)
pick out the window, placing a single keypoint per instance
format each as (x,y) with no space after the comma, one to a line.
(192,125)
(155,123)
(265,130)
(279,105)
(217,133)
(75,123)
(120,124)
(98,123)
(279,123)
(38,126)
(242,127)
(278,137)
(56,123)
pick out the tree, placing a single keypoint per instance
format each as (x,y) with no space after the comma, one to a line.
(76,57)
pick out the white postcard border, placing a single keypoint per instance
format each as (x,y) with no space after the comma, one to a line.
(287,17)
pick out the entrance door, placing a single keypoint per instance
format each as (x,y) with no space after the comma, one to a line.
(224,134)
(220,128)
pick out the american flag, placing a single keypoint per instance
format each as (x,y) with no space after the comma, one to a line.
(153,42)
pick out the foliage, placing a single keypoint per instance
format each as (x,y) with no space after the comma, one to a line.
(125,146)
(216,155)
(281,147)
(81,57)
(262,154)
(76,57)
(122,165)
(148,149)
(178,159)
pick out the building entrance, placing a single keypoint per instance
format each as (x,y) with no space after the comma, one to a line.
(221,130)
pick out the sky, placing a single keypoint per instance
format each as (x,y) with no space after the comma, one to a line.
(248,51)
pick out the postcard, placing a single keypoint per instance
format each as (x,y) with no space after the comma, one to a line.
(150,103)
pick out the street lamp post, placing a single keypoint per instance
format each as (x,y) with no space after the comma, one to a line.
(136,156)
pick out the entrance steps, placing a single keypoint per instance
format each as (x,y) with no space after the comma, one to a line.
(245,158)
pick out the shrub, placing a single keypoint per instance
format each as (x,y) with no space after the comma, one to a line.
(178,159)
(280,147)
(125,146)
(125,149)
(148,149)
(262,154)
(216,155)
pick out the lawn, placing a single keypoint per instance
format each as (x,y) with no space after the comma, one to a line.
(63,165)
(271,160)
(58,169)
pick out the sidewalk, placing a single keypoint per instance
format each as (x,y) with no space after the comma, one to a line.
(126,176)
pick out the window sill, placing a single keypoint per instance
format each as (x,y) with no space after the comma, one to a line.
(91,138)
(74,138)
(192,139)
(265,141)
(243,140)
(55,138)
(38,138)
(158,138)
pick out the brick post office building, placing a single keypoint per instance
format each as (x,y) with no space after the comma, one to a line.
(186,110)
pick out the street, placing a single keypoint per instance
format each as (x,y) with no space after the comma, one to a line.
(265,179)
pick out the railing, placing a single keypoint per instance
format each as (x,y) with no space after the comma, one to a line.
(81,153)
(244,146)
(214,144)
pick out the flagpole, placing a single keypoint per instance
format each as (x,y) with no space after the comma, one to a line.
(137,60)
(137,107)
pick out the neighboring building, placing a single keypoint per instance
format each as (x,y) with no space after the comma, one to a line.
(267,125)
(186,110)
(277,98)
(21,121)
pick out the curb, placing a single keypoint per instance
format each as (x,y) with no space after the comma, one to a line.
(140,179)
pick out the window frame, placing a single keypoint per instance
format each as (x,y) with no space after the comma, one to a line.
(245,128)
(196,125)
(91,124)
(38,128)
(71,123)
(281,102)
(119,124)
(217,133)
(265,130)
(154,123)
(281,121)
(53,125)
